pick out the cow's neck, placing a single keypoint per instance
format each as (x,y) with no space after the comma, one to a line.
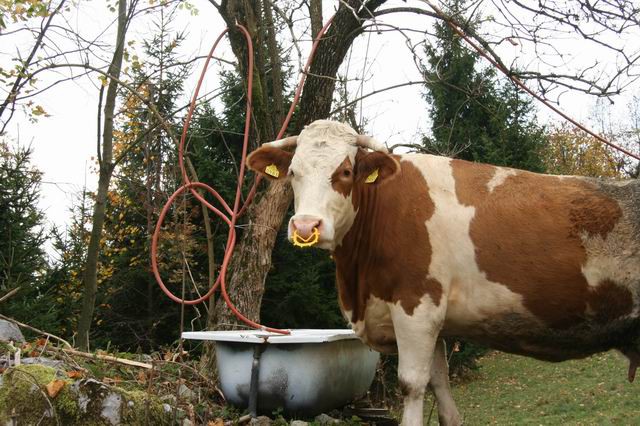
(387,242)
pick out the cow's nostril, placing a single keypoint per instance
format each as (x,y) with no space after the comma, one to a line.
(304,227)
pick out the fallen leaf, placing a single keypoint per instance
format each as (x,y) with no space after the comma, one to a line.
(75,374)
(54,387)
(216,422)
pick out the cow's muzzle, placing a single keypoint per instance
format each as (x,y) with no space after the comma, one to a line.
(305,230)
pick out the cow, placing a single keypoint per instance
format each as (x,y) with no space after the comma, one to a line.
(427,247)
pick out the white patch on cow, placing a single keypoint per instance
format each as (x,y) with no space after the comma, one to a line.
(472,298)
(321,148)
(498,178)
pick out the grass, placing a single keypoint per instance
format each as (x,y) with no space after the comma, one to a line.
(514,390)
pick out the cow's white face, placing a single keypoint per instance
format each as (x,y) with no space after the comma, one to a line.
(327,167)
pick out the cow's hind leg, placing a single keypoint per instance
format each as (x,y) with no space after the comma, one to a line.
(416,336)
(439,384)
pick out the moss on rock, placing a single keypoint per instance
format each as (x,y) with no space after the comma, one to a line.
(23,397)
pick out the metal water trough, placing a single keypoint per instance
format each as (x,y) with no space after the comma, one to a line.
(305,373)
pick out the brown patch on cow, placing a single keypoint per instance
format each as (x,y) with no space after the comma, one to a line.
(609,301)
(387,251)
(594,214)
(342,178)
(528,235)
(476,180)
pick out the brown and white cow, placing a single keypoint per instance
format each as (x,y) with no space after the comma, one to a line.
(545,266)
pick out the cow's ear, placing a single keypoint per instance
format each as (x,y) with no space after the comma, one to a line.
(270,162)
(375,168)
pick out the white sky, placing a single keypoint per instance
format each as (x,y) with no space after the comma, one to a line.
(65,143)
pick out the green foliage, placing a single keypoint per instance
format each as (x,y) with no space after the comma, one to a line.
(22,260)
(474,116)
(463,356)
(22,10)
(22,236)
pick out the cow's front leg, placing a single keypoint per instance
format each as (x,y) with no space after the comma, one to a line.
(439,384)
(416,335)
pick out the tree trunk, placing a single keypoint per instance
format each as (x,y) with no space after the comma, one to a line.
(90,277)
(252,257)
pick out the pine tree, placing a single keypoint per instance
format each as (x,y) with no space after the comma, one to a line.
(474,116)
(22,258)
(23,262)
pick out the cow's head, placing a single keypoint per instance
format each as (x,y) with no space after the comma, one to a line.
(330,164)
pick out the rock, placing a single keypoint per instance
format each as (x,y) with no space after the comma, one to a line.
(261,421)
(185,392)
(9,331)
(53,363)
(111,406)
(324,419)
(299,423)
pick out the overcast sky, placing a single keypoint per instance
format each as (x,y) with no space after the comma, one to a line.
(65,143)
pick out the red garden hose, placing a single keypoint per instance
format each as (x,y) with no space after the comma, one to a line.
(232,214)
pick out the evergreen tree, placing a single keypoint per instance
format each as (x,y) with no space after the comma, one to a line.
(22,236)
(23,261)
(474,116)
(63,282)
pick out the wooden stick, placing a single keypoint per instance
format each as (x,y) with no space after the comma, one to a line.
(8,295)
(108,358)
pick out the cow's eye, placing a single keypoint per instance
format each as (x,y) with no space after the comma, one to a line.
(346,173)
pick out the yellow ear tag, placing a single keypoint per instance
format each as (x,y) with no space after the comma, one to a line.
(372,177)
(272,170)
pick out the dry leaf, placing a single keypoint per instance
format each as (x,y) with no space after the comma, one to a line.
(142,377)
(216,422)
(54,387)
(75,374)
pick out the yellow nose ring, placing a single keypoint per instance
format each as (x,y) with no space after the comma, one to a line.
(311,240)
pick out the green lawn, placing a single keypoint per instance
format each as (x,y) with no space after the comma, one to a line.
(514,390)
